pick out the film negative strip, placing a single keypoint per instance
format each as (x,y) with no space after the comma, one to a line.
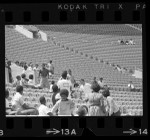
(72,29)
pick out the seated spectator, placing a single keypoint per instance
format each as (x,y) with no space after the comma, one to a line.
(131,86)
(65,106)
(131,42)
(17,81)
(20,106)
(31,82)
(51,85)
(43,109)
(24,81)
(82,111)
(113,109)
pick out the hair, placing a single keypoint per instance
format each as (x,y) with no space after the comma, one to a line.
(23,76)
(64,92)
(82,80)
(6,93)
(50,61)
(53,82)
(95,87)
(25,66)
(18,77)
(76,85)
(101,78)
(64,74)
(42,100)
(55,88)
(81,110)
(106,92)
(31,76)
(19,88)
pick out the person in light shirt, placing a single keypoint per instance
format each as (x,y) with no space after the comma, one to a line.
(43,109)
(19,105)
(131,86)
(113,109)
(85,88)
(64,106)
(64,83)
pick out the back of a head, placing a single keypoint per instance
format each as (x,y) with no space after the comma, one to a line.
(95,87)
(64,74)
(31,76)
(50,61)
(42,100)
(55,88)
(64,92)
(82,111)
(23,76)
(18,77)
(106,92)
(19,89)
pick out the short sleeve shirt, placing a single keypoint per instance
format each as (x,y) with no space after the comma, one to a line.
(43,110)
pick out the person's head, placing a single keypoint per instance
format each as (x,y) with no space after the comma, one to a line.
(106,92)
(95,87)
(94,78)
(19,89)
(9,63)
(76,85)
(55,88)
(18,77)
(53,82)
(25,67)
(50,61)
(36,65)
(6,93)
(64,74)
(82,110)
(23,76)
(42,100)
(69,71)
(101,79)
(82,81)
(43,65)
(64,94)
(31,77)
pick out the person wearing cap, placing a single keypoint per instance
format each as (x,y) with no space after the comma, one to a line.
(64,106)
(113,109)
(64,83)
(43,109)
(44,74)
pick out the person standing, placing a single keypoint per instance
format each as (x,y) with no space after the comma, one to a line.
(44,74)
(36,73)
(51,68)
(96,102)
(113,109)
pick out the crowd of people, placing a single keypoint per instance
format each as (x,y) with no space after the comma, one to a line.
(96,94)
(126,42)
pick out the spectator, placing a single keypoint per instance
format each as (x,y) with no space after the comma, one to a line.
(82,110)
(94,80)
(65,106)
(8,109)
(55,92)
(24,81)
(9,72)
(51,85)
(31,82)
(113,109)
(17,81)
(51,68)
(64,83)
(96,102)
(43,109)
(101,83)
(70,77)
(131,86)
(19,105)
(36,73)
(44,74)
(25,70)
(85,88)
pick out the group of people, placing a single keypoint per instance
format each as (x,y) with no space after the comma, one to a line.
(96,95)
(126,42)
